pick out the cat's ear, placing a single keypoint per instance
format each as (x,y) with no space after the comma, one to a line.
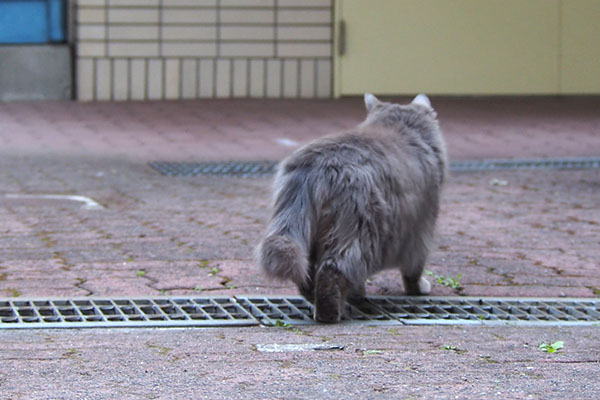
(371,102)
(422,100)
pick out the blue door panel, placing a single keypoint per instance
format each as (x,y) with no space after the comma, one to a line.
(56,21)
(32,21)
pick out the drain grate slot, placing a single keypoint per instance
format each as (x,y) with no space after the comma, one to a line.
(514,311)
(298,311)
(264,168)
(269,310)
(527,164)
(227,168)
(80,313)
(294,310)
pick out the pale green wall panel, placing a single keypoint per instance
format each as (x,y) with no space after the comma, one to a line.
(580,61)
(462,46)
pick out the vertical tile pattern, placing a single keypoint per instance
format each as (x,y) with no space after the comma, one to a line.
(85,79)
(274,83)
(189,76)
(223,78)
(120,80)
(155,79)
(172,78)
(240,78)
(324,74)
(185,49)
(307,78)
(290,78)
(137,72)
(103,79)
(257,78)
(206,82)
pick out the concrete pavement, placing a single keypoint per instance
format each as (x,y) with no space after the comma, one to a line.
(509,233)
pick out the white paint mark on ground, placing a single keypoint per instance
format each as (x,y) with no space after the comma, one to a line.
(498,182)
(88,203)
(287,142)
(282,348)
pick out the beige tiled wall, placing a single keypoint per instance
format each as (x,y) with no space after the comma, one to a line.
(184,49)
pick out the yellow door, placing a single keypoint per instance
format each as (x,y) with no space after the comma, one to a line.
(448,47)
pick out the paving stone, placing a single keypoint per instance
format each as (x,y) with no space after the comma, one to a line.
(538,235)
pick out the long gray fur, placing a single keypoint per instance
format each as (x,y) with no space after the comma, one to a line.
(362,201)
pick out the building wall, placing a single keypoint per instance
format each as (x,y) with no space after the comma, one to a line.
(185,49)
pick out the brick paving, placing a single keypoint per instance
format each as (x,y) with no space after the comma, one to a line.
(247,129)
(160,235)
(509,233)
(429,362)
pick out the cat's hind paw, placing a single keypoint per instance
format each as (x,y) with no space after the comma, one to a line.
(424,286)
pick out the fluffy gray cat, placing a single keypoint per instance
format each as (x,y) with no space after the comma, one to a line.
(349,205)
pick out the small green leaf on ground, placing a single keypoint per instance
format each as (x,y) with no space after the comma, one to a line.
(448,281)
(141,273)
(450,347)
(552,347)
(456,349)
(279,323)
(452,282)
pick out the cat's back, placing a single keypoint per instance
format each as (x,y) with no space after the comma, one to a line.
(396,151)
(364,148)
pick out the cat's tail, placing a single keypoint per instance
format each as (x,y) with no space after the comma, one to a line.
(284,252)
(282,257)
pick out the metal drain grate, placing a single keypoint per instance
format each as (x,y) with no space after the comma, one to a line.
(265,168)
(490,311)
(378,310)
(257,310)
(227,168)
(298,311)
(93,313)
(269,310)
(528,164)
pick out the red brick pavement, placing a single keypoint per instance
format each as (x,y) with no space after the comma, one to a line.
(537,235)
(509,233)
(249,129)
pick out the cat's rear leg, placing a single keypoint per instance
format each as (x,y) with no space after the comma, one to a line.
(412,267)
(307,289)
(416,286)
(331,290)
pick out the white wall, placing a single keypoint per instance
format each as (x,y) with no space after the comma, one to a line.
(185,49)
